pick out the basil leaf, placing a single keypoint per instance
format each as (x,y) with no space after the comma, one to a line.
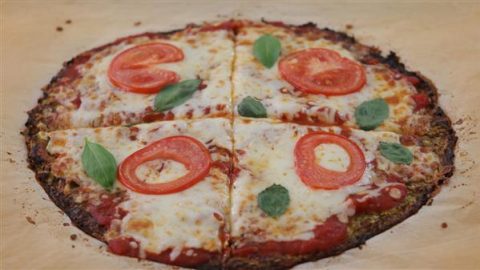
(371,114)
(396,153)
(250,107)
(175,94)
(274,200)
(99,164)
(267,50)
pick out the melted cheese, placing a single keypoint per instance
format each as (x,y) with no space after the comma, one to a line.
(178,220)
(281,101)
(207,55)
(160,171)
(332,156)
(266,157)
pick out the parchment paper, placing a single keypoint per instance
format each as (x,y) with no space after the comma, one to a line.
(441,40)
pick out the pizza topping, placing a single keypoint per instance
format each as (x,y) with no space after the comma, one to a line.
(331,233)
(135,70)
(408,140)
(421,101)
(267,49)
(251,107)
(371,114)
(388,197)
(327,235)
(186,150)
(322,71)
(413,79)
(99,164)
(126,246)
(274,200)
(107,210)
(186,257)
(176,94)
(317,176)
(230,25)
(396,153)
(332,157)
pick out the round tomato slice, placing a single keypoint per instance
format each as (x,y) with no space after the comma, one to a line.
(136,70)
(322,71)
(186,150)
(316,176)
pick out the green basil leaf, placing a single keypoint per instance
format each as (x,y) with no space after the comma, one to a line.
(274,200)
(99,164)
(267,50)
(175,94)
(250,107)
(371,114)
(396,153)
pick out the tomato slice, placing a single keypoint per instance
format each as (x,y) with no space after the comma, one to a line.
(186,150)
(316,176)
(136,70)
(322,71)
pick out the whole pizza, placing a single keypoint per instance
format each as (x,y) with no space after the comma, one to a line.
(238,144)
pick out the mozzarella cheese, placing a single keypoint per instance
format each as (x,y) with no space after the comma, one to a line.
(265,154)
(207,55)
(251,78)
(178,220)
(332,157)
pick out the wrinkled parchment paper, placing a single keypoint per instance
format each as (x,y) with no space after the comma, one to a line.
(441,40)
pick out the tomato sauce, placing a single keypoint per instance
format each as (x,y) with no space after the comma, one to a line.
(152,117)
(106,211)
(327,235)
(188,257)
(390,197)
(232,25)
(421,101)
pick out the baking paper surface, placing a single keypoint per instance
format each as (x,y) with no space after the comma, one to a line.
(440,40)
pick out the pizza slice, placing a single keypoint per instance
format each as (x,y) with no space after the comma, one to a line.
(182,74)
(301,193)
(306,75)
(137,188)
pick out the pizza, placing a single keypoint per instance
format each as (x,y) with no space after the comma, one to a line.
(238,144)
(83,94)
(291,94)
(341,189)
(172,224)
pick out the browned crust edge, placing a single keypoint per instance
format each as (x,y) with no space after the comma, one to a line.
(39,161)
(442,135)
